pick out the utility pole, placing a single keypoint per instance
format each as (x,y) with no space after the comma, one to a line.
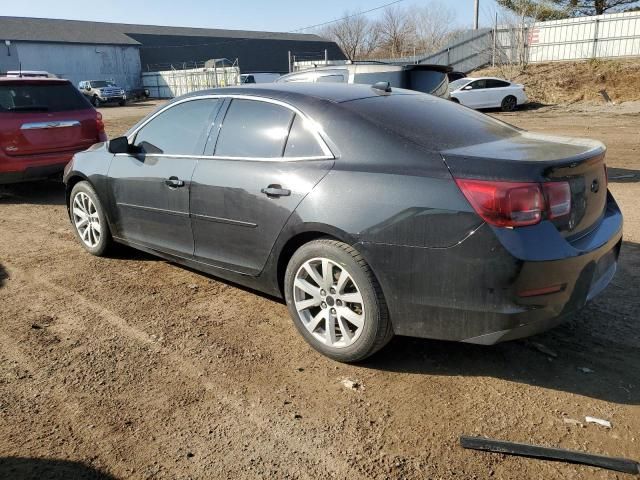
(476,12)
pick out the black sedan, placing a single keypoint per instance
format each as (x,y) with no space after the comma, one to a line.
(372,212)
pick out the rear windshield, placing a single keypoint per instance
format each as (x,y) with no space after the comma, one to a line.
(426,81)
(430,121)
(46,97)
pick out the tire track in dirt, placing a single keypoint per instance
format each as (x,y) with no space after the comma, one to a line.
(284,436)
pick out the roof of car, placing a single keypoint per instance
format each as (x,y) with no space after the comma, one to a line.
(332,92)
(32,80)
(485,78)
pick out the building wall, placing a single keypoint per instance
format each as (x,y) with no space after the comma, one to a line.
(161,52)
(77,62)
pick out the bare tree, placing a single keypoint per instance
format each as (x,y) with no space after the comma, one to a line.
(355,34)
(434,26)
(397,31)
(511,52)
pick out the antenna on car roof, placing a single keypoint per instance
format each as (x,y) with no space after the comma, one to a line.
(382,86)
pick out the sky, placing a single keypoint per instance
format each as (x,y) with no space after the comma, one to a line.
(269,15)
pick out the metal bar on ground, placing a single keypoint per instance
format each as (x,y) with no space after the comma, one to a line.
(547,453)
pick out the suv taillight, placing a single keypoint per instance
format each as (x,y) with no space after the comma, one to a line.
(516,204)
(102,136)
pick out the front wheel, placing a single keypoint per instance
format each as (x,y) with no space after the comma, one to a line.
(336,302)
(95,101)
(509,104)
(89,219)
(122,103)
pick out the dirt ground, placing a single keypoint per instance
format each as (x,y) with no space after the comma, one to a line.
(131,367)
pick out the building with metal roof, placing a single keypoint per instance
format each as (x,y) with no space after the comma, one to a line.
(82,50)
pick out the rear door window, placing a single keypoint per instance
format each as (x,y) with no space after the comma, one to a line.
(44,97)
(497,84)
(179,130)
(301,142)
(254,129)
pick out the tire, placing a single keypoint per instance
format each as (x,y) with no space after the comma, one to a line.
(95,237)
(509,104)
(95,101)
(359,299)
(122,103)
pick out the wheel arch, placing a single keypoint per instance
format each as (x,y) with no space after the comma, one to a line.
(299,237)
(71,181)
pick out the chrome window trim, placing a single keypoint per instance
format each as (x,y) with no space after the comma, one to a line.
(245,159)
(327,154)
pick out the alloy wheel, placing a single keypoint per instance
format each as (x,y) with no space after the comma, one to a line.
(329,302)
(509,104)
(86,220)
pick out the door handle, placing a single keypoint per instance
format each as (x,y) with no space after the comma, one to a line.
(174,182)
(273,191)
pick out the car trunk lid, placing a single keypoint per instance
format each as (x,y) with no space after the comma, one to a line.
(529,157)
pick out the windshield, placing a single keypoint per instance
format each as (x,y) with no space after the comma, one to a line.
(102,84)
(459,83)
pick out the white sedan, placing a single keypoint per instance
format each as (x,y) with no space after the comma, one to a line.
(488,92)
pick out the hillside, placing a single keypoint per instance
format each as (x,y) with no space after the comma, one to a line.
(571,82)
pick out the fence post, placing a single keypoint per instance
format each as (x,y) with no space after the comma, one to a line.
(289,61)
(495,42)
(596,32)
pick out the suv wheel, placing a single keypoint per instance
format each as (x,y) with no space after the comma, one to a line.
(95,101)
(88,218)
(336,302)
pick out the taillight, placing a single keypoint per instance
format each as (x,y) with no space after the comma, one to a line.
(102,136)
(516,204)
(558,196)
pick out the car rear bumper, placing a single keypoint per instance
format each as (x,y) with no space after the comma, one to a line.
(23,169)
(31,173)
(112,99)
(485,290)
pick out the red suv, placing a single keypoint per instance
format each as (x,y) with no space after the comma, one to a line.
(43,123)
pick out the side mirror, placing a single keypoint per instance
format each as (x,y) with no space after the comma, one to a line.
(468,87)
(87,88)
(119,145)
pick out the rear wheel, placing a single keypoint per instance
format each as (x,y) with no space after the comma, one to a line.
(336,302)
(89,220)
(509,104)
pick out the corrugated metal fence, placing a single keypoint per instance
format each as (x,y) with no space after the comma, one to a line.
(603,36)
(173,83)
